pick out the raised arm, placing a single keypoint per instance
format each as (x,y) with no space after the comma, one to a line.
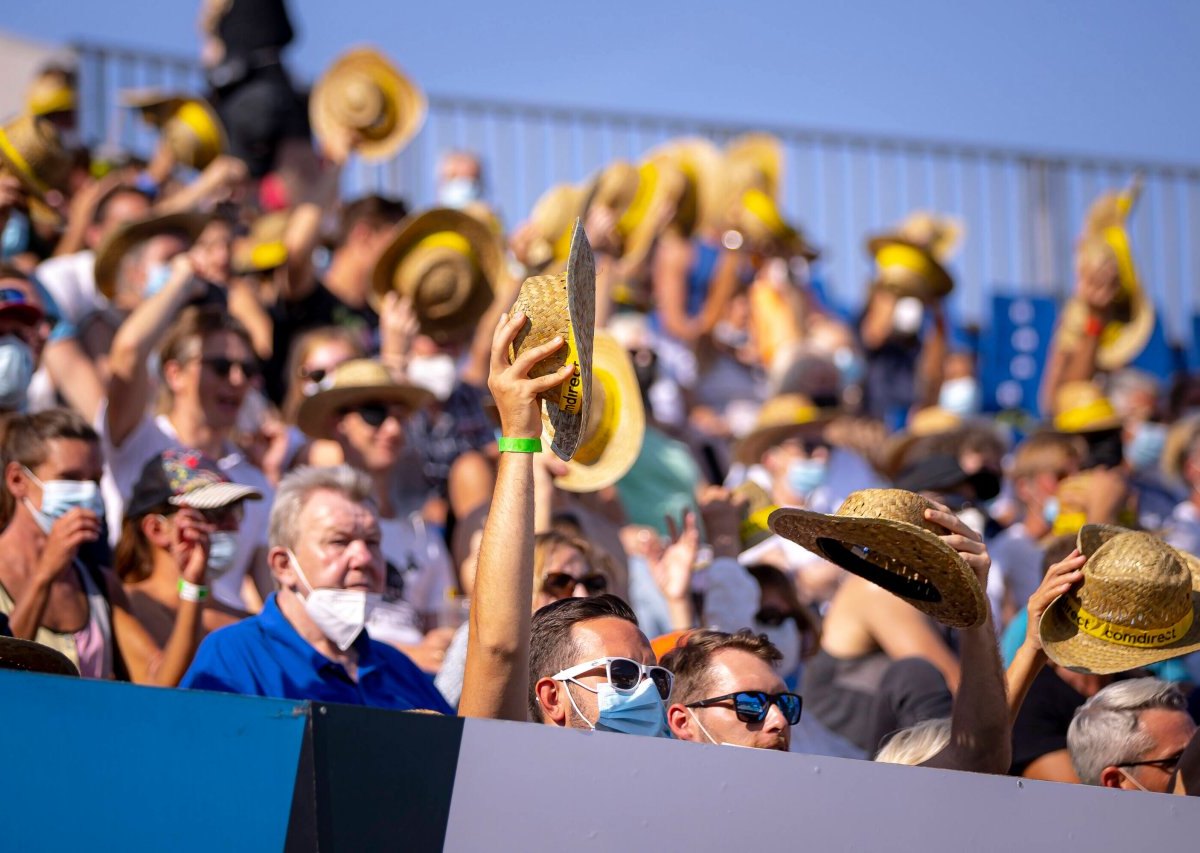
(980,729)
(215,182)
(128,381)
(495,683)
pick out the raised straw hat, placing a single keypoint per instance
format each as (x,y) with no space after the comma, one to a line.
(364,92)
(553,220)
(702,166)
(448,263)
(1081,407)
(563,305)
(639,197)
(189,125)
(117,245)
(616,423)
(923,423)
(352,383)
(882,535)
(1136,605)
(32,151)
(1129,328)
(52,92)
(911,258)
(262,249)
(781,418)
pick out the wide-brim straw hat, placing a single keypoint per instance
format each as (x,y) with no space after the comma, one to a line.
(882,535)
(616,425)
(123,239)
(188,124)
(50,93)
(924,423)
(1081,407)
(448,263)
(363,91)
(352,383)
(563,305)
(262,249)
(639,196)
(756,159)
(755,528)
(553,220)
(781,418)
(908,268)
(28,656)
(702,165)
(32,151)
(757,216)
(1179,438)
(1136,605)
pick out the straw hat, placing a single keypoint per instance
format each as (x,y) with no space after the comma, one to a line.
(262,249)
(616,423)
(563,305)
(31,150)
(361,380)
(702,166)
(910,259)
(187,124)
(553,220)
(639,196)
(1179,439)
(1136,605)
(779,419)
(756,215)
(755,160)
(882,536)
(1081,407)
(51,92)
(449,263)
(755,527)
(923,423)
(28,656)
(1133,315)
(123,239)
(364,92)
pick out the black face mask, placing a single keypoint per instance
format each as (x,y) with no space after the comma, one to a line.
(1105,450)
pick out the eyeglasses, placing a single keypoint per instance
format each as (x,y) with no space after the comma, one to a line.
(317,374)
(752,706)
(1167,765)
(561,583)
(623,674)
(772,618)
(374,414)
(223,367)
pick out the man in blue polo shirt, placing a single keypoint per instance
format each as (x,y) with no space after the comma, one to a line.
(309,640)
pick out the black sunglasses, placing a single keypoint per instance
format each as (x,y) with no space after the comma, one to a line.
(561,583)
(772,618)
(223,367)
(374,414)
(752,706)
(315,375)
(1168,764)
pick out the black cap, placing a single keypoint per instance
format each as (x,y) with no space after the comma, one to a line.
(184,478)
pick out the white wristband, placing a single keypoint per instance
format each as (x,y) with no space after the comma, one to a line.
(191,591)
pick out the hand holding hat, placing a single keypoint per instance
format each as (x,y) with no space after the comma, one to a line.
(516,393)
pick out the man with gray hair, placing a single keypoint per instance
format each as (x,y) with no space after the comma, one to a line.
(1130,735)
(309,641)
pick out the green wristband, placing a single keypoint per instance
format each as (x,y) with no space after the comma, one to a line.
(519,445)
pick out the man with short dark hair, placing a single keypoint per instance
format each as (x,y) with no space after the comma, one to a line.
(727,691)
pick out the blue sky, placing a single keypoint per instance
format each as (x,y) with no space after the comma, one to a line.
(1104,77)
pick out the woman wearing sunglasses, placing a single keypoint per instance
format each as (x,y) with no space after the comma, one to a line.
(563,567)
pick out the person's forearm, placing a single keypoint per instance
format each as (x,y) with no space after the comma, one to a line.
(168,669)
(74,376)
(200,193)
(679,611)
(1024,668)
(495,683)
(30,608)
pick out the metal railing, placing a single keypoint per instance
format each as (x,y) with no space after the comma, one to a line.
(1022,209)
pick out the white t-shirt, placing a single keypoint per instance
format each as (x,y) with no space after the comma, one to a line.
(71,280)
(422,558)
(123,466)
(1182,529)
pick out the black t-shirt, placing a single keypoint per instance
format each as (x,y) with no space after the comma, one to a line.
(250,25)
(1041,726)
(319,308)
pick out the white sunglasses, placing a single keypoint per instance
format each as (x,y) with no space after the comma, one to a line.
(623,674)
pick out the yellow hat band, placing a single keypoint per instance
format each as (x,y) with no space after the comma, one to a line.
(562,246)
(570,395)
(18,160)
(1118,240)
(763,208)
(451,240)
(640,205)
(57,100)
(266,256)
(1081,418)
(1123,635)
(756,523)
(593,447)
(197,119)
(905,257)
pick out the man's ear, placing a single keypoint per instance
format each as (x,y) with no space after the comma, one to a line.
(16,480)
(681,723)
(1112,777)
(552,701)
(281,568)
(172,372)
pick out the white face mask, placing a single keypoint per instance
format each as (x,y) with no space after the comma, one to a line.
(908,316)
(459,192)
(222,548)
(437,374)
(340,614)
(960,396)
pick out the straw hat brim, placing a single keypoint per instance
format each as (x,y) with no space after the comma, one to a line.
(316,414)
(940,283)
(1076,650)
(1131,340)
(702,159)
(109,255)
(924,570)
(750,449)
(28,656)
(488,253)
(628,433)
(409,101)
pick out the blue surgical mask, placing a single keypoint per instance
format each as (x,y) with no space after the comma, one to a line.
(1050,510)
(459,192)
(222,548)
(851,366)
(805,475)
(639,712)
(15,238)
(960,396)
(1146,446)
(61,496)
(16,371)
(156,279)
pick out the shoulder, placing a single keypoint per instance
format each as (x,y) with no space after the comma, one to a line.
(417,686)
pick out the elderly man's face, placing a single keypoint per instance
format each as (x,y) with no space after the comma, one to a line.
(1171,731)
(338,546)
(731,671)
